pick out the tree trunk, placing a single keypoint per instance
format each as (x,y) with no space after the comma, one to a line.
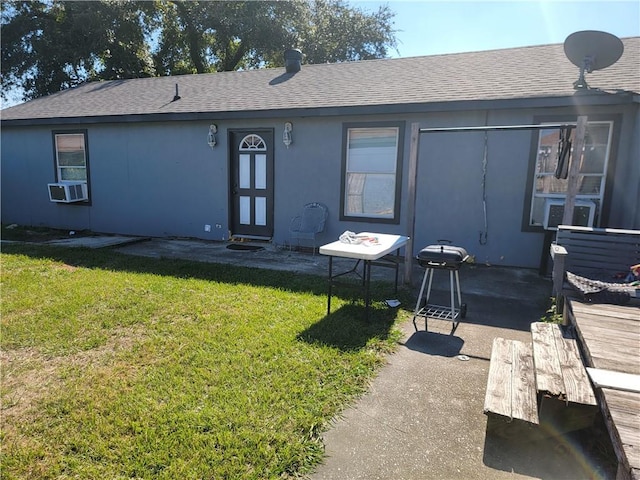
(193,37)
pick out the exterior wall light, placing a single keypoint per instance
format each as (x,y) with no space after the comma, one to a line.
(286,135)
(211,137)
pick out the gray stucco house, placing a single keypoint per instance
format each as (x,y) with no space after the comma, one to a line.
(142,155)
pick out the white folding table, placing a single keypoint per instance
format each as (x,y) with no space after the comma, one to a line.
(367,254)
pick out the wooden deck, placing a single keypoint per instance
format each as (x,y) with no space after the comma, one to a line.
(610,340)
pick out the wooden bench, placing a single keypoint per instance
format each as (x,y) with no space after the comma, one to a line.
(539,388)
(591,252)
(566,400)
(511,389)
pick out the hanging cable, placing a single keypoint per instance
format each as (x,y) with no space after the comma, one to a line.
(483,235)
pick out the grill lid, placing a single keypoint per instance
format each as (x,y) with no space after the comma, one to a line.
(442,256)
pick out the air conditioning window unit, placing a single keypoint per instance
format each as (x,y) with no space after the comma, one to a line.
(583,213)
(68,192)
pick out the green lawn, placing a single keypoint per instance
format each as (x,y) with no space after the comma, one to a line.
(127,367)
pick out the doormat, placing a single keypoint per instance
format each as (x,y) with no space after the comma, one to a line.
(239,246)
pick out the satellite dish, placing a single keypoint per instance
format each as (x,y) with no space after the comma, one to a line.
(592,50)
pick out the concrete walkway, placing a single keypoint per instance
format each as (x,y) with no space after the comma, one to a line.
(422,417)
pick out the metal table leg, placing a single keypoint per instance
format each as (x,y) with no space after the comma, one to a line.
(365,277)
(367,283)
(330,285)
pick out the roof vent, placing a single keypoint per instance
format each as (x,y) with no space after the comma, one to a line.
(292,60)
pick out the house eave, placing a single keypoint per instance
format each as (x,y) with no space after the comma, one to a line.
(579,99)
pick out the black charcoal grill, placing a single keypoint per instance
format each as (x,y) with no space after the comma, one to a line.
(441,257)
(445,257)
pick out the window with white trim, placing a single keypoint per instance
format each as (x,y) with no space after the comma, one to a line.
(71,157)
(371,173)
(547,189)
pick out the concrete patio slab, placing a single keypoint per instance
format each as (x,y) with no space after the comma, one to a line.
(95,241)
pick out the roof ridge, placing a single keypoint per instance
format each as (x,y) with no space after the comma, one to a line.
(430,81)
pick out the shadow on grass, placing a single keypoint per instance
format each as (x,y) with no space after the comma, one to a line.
(347,329)
(108,259)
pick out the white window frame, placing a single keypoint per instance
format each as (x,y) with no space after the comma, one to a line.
(381,168)
(60,169)
(540,199)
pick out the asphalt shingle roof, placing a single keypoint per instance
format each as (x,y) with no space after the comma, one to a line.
(516,73)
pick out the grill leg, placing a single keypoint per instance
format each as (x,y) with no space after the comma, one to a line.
(419,302)
(456,309)
(452,295)
(462,308)
(430,272)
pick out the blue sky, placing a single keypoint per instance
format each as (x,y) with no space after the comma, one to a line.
(430,27)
